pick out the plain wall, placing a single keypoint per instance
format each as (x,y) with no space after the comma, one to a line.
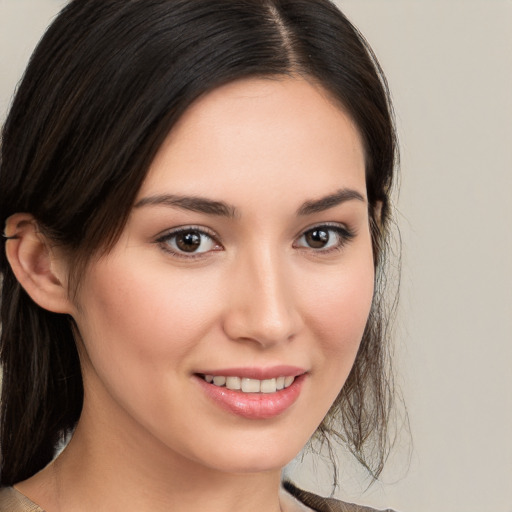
(449,65)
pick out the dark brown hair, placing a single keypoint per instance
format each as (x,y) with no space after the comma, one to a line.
(105,85)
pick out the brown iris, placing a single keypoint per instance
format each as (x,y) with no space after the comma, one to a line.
(317,238)
(189,241)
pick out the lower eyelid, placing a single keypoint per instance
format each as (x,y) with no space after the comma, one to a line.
(343,233)
(164,239)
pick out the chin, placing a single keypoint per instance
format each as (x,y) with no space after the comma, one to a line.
(254,463)
(258,456)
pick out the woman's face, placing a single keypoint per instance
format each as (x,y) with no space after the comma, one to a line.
(247,258)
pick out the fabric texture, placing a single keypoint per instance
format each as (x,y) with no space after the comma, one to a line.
(13,501)
(321,504)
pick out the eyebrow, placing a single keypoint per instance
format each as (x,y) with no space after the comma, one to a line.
(325,203)
(192,203)
(220,208)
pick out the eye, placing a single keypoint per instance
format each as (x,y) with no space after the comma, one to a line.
(188,241)
(325,238)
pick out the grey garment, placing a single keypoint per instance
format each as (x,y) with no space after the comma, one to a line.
(321,504)
(13,501)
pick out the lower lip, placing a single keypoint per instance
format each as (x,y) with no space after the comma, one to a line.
(254,405)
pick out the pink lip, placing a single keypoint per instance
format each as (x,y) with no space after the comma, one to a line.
(253,405)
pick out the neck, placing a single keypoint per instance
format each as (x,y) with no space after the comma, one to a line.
(115,471)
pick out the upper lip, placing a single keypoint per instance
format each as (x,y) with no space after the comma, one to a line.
(260,373)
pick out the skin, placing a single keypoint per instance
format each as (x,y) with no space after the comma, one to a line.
(257,296)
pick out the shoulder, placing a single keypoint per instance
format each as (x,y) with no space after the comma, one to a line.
(320,504)
(13,501)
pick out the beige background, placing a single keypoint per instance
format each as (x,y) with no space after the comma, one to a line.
(449,64)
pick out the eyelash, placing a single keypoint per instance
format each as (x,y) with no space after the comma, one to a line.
(343,234)
(164,240)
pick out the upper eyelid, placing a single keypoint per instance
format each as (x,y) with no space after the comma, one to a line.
(329,225)
(214,236)
(344,232)
(170,233)
(180,229)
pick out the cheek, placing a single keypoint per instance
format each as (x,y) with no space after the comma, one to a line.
(338,310)
(141,319)
(337,315)
(140,327)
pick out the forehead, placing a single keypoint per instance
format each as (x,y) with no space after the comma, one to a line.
(259,134)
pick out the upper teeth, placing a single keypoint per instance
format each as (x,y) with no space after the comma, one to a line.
(250,385)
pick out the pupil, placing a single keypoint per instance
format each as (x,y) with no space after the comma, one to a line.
(188,242)
(317,238)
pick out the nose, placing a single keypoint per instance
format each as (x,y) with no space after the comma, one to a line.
(262,305)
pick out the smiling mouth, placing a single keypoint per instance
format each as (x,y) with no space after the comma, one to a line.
(247,385)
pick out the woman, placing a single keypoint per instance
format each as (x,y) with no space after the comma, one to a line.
(195,197)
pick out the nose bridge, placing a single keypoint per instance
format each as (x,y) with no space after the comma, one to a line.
(262,306)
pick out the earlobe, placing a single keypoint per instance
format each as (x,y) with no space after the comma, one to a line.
(35,264)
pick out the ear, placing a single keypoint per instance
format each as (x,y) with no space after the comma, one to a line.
(36,266)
